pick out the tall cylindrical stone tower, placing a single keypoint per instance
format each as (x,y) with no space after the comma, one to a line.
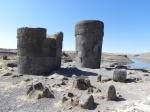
(37,54)
(89,36)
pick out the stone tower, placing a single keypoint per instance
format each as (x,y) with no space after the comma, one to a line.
(89,36)
(38,54)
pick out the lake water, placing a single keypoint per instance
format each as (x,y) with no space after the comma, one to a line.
(139,63)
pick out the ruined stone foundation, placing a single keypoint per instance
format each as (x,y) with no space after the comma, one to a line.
(89,37)
(38,54)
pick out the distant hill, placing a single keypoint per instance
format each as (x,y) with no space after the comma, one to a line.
(142,56)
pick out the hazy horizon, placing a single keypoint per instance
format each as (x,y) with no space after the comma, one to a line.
(126,23)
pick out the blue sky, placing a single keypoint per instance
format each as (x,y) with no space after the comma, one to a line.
(126,22)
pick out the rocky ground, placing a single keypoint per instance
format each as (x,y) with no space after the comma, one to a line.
(72,89)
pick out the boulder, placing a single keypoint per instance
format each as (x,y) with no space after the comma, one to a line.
(12,64)
(38,86)
(37,91)
(7,74)
(70,94)
(46,93)
(86,101)
(121,67)
(81,84)
(90,90)
(5,58)
(99,77)
(119,75)
(111,93)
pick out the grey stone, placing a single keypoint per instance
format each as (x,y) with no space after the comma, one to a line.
(70,94)
(119,75)
(81,84)
(4,57)
(87,101)
(38,54)
(90,90)
(46,93)
(89,36)
(38,86)
(7,74)
(12,64)
(111,93)
(99,76)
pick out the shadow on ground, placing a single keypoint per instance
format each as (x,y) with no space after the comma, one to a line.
(75,71)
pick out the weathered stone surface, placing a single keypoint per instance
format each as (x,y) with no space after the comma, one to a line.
(90,90)
(119,75)
(37,54)
(89,36)
(111,93)
(38,86)
(87,101)
(81,84)
(4,57)
(37,91)
(99,76)
(46,93)
(12,64)
(121,67)
(70,94)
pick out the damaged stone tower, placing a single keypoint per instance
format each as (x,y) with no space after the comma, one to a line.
(38,54)
(89,36)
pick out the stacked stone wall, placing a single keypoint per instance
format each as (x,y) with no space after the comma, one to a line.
(38,54)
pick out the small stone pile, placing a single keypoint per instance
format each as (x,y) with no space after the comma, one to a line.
(38,91)
(82,83)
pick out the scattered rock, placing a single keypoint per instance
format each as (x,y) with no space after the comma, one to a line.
(145,74)
(111,93)
(130,73)
(29,89)
(90,90)
(99,77)
(70,94)
(5,58)
(143,70)
(119,75)
(46,93)
(26,80)
(16,76)
(87,101)
(64,78)
(39,86)
(12,64)
(56,85)
(98,91)
(81,84)
(7,74)
(63,83)
(64,99)
(37,91)
(138,79)
(121,67)
(87,82)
